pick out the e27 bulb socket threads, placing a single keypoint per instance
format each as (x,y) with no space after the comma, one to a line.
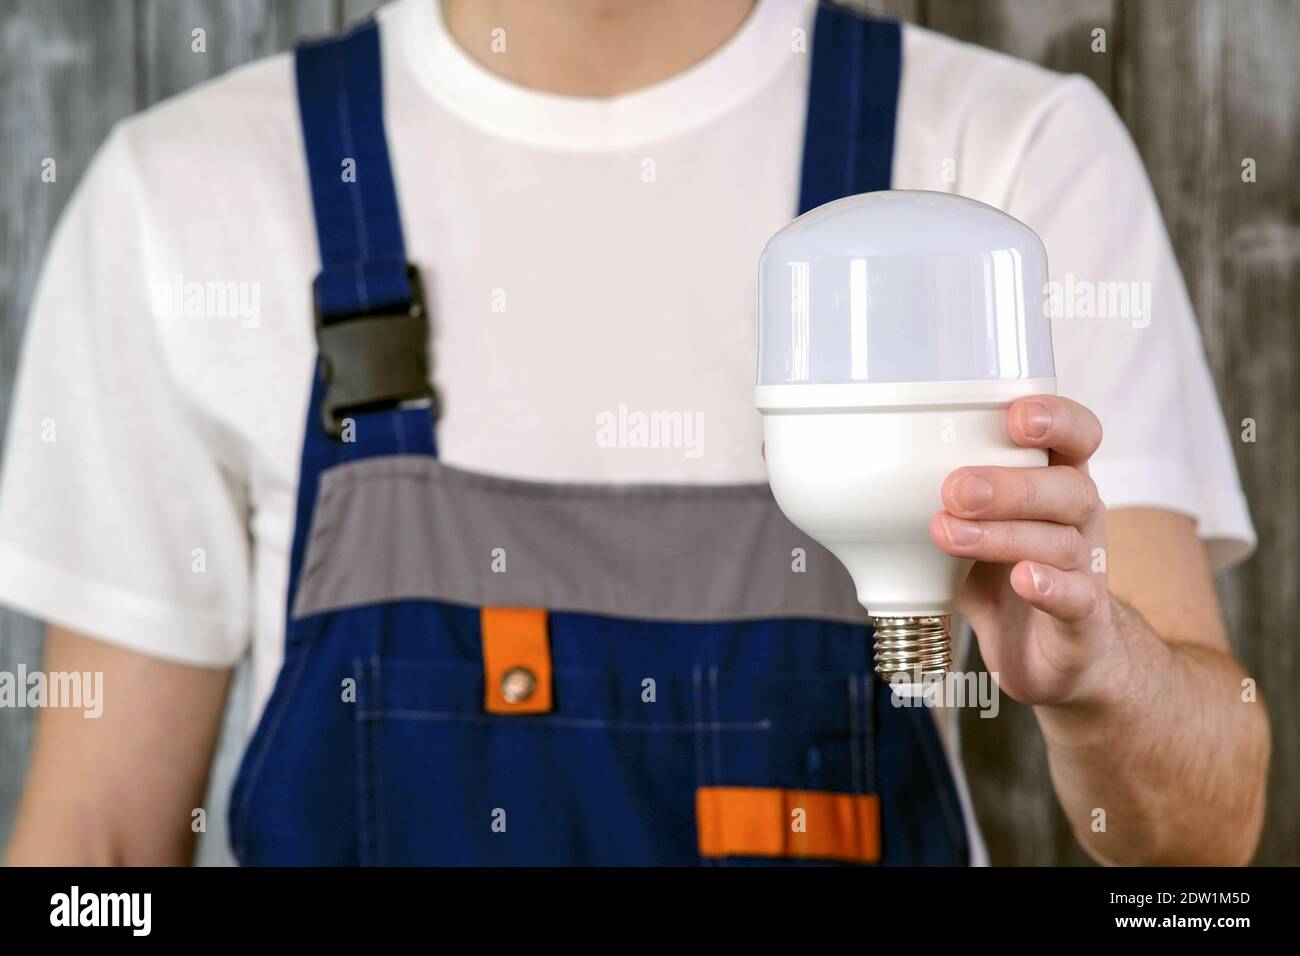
(917,647)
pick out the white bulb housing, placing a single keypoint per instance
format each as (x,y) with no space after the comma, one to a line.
(894,330)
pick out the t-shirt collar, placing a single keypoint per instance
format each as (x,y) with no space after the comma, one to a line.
(741,68)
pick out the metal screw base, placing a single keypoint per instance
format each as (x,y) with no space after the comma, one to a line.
(917,646)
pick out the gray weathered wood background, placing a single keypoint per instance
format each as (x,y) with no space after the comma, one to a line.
(1202,84)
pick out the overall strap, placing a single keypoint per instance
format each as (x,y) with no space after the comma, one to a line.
(371,327)
(370,391)
(358,226)
(852,106)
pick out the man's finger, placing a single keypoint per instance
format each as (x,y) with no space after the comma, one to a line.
(1008,542)
(1068,596)
(1055,423)
(1057,493)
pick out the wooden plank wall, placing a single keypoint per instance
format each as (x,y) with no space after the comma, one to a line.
(1202,85)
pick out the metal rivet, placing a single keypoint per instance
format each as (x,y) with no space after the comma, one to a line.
(518,684)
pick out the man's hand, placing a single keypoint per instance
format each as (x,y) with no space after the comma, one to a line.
(1038,597)
(1157,753)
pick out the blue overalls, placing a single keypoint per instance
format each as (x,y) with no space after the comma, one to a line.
(481,670)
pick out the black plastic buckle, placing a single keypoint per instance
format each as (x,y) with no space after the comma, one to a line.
(374,360)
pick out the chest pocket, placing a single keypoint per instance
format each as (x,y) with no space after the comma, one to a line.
(616,771)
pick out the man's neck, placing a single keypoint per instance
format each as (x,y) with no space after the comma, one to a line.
(591,47)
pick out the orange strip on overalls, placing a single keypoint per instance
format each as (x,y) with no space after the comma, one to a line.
(761,821)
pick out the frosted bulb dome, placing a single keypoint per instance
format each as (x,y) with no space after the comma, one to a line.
(903,287)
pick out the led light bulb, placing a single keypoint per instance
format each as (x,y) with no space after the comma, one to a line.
(894,330)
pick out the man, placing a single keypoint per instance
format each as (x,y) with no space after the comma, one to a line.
(584,187)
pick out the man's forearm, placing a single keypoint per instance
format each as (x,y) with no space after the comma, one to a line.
(1164,762)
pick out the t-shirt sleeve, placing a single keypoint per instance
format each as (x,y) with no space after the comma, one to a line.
(117,517)
(1124,334)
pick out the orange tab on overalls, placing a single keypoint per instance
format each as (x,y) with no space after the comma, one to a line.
(796,824)
(516,661)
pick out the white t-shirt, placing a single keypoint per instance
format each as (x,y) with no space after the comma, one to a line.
(579,254)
